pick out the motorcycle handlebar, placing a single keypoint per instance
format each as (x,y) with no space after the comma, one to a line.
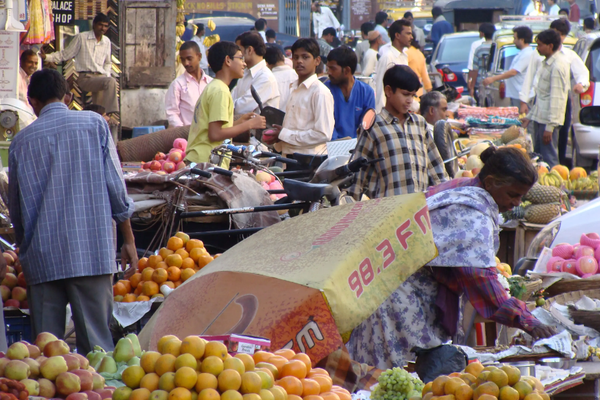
(222,171)
(201,172)
(278,157)
(353,166)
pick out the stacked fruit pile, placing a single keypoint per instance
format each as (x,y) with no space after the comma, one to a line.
(270,182)
(540,205)
(397,384)
(13,287)
(53,371)
(197,369)
(576,179)
(167,163)
(580,259)
(484,383)
(172,266)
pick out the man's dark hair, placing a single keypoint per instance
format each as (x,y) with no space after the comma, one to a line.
(97,108)
(274,55)
(487,29)
(25,55)
(271,34)
(47,84)
(408,14)
(550,36)
(589,23)
(380,17)
(260,24)
(218,52)
(344,56)
(397,27)
(367,27)
(200,29)
(401,77)
(329,31)
(253,39)
(100,17)
(190,45)
(564,10)
(309,45)
(562,25)
(524,32)
(436,12)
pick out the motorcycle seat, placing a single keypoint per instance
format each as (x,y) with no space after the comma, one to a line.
(305,191)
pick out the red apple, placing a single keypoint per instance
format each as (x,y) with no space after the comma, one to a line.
(160,156)
(9,259)
(84,362)
(92,395)
(19,293)
(168,167)
(12,303)
(21,280)
(105,393)
(10,280)
(175,156)
(180,165)
(5,292)
(34,351)
(56,348)
(146,165)
(73,362)
(155,166)
(43,339)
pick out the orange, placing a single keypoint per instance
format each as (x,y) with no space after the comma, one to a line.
(167,381)
(317,371)
(169,284)
(150,288)
(164,364)
(196,253)
(279,362)
(212,365)
(162,265)
(329,396)
(135,279)
(162,341)
(119,289)
(294,397)
(173,273)
(174,260)
(206,381)
(127,285)
(295,368)
(313,397)
(147,274)
(177,283)
(204,259)
(153,260)
(183,253)
(231,395)
(291,384)
(142,263)
(186,377)
(138,290)
(188,263)
(247,360)
(287,353)
(192,244)
(193,345)
(164,252)
(229,379)
(175,243)
(251,383)
(209,394)
(142,298)
(140,394)
(324,382)
(148,360)
(343,395)
(187,274)
(310,387)
(305,359)
(172,346)
(160,275)
(336,388)
(129,298)
(180,393)
(150,382)
(132,376)
(183,236)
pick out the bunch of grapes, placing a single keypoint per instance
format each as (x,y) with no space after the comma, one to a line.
(12,390)
(397,384)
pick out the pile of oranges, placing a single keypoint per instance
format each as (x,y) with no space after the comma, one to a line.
(172,266)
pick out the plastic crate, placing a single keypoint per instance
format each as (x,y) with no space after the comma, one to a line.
(144,130)
(17,328)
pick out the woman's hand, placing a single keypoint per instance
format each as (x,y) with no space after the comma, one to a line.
(543,331)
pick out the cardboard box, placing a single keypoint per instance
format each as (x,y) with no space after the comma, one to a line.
(241,344)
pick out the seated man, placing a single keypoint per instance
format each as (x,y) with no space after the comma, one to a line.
(184,92)
(433,108)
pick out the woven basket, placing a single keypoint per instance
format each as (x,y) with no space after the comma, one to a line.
(530,288)
(573,285)
(584,194)
(590,319)
(572,297)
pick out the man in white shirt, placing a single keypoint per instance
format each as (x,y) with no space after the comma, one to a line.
(261,26)
(381,24)
(199,39)
(370,58)
(284,74)
(554,8)
(514,77)
(418,33)
(362,46)
(92,53)
(474,47)
(257,74)
(401,34)
(184,92)
(323,18)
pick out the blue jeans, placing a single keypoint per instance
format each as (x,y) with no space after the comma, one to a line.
(547,151)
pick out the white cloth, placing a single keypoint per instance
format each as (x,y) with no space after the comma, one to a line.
(360,50)
(89,54)
(520,64)
(324,19)
(474,47)
(384,49)
(419,35)
(554,10)
(387,61)
(309,121)
(204,60)
(384,33)
(285,76)
(369,62)
(263,35)
(261,77)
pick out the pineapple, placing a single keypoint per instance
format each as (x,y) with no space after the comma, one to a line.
(542,213)
(541,194)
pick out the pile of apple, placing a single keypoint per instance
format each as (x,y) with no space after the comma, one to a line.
(13,287)
(170,162)
(270,182)
(48,369)
(580,259)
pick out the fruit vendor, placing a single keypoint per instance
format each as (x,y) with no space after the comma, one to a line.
(424,310)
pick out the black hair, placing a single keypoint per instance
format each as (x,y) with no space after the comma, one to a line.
(380,17)
(408,14)
(397,27)
(253,39)
(329,31)
(562,25)
(218,52)
(367,27)
(190,45)
(273,55)
(47,84)
(260,24)
(100,17)
(589,23)
(271,34)
(415,43)
(524,32)
(401,77)
(507,165)
(487,29)
(344,56)
(550,36)
(436,12)
(26,54)
(200,28)
(564,10)
(309,44)
(97,108)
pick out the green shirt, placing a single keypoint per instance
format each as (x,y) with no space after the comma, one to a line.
(215,104)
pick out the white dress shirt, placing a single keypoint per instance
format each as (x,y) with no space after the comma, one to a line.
(554,10)
(204,60)
(384,33)
(360,50)
(309,121)
(387,61)
(89,54)
(263,35)
(261,77)
(520,64)
(419,35)
(474,47)
(324,19)
(181,98)
(285,76)
(369,62)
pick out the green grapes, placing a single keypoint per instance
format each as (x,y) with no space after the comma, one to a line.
(397,384)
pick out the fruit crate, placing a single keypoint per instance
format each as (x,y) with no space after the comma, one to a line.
(18,327)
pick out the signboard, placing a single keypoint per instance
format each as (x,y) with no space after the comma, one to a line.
(63,11)
(267,9)
(360,12)
(9,67)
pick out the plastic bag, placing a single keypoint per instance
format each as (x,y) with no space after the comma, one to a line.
(441,360)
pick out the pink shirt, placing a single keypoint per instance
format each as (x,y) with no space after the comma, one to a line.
(23,85)
(181,98)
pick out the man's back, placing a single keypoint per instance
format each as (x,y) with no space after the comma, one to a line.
(285,76)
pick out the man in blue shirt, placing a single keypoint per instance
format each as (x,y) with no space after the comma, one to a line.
(351,97)
(440,26)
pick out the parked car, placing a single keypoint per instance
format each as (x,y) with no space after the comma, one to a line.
(452,53)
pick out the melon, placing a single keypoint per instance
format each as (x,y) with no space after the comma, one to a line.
(478,149)
(562,171)
(577,173)
(586,265)
(474,162)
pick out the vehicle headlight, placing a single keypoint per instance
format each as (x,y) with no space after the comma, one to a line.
(543,239)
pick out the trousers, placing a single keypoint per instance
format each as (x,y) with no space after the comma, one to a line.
(563,135)
(103,88)
(547,151)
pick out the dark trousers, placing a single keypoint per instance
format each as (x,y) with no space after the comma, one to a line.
(563,136)
(91,300)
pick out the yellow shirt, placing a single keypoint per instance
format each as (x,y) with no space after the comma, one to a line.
(215,104)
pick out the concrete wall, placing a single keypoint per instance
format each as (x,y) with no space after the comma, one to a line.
(142,107)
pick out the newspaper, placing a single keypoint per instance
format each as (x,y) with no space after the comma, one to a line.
(129,313)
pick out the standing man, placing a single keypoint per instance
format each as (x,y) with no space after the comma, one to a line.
(433,108)
(256,74)
(199,39)
(410,161)
(522,37)
(261,25)
(481,56)
(283,73)
(418,33)
(329,36)
(401,33)
(362,46)
(381,24)
(554,8)
(272,40)
(92,54)
(574,13)
(184,92)
(474,46)
(589,26)
(548,112)
(323,18)
(28,65)
(325,42)
(440,26)
(351,97)
(370,58)
(63,219)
